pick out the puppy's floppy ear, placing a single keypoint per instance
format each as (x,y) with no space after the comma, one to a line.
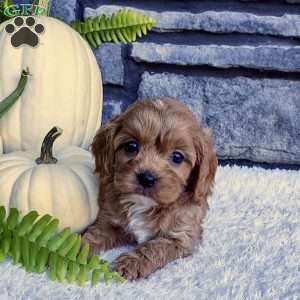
(103,149)
(202,175)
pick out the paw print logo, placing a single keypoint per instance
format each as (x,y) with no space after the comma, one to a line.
(24,31)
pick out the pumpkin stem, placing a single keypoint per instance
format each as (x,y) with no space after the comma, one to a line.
(10,100)
(47,147)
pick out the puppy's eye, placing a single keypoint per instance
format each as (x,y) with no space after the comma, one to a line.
(131,147)
(177,157)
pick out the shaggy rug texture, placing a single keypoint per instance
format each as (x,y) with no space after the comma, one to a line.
(250,250)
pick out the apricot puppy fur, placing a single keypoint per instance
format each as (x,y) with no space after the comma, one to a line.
(156,168)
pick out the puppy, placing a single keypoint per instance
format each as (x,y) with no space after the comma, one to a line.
(156,169)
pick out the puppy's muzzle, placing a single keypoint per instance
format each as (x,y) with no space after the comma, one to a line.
(146,179)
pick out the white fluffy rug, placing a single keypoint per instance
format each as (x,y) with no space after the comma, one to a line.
(250,250)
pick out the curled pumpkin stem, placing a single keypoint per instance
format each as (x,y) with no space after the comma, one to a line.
(47,147)
(9,101)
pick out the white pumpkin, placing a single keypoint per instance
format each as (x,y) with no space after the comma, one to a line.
(64,187)
(1,145)
(65,88)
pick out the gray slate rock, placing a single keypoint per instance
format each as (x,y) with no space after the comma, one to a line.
(253,119)
(64,9)
(111,108)
(214,21)
(280,58)
(109,57)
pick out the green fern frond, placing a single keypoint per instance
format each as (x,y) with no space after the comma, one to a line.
(124,26)
(3,5)
(35,243)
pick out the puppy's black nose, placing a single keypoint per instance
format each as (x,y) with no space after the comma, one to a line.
(146,179)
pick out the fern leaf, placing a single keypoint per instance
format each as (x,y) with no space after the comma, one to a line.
(2,255)
(61,268)
(3,5)
(2,214)
(121,36)
(82,276)
(16,249)
(123,26)
(38,227)
(108,36)
(12,219)
(72,272)
(42,259)
(96,276)
(47,233)
(55,242)
(52,265)
(7,239)
(25,252)
(115,37)
(138,31)
(102,36)
(90,38)
(27,223)
(97,38)
(33,250)
(72,254)
(83,255)
(67,245)
(35,243)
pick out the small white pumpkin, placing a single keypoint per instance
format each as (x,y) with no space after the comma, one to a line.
(64,187)
(64,88)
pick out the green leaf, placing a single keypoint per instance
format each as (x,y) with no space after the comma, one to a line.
(93,262)
(2,255)
(3,5)
(82,277)
(113,35)
(72,254)
(107,277)
(42,259)
(34,250)
(16,248)
(47,233)
(2,214)
(96,276)
(97,38)
(52,265)
(117,277)
(12,219)
(61,268)
(72,272)
(27,223)
(29,242)
(38,227)
(83,255)
(25,252)
(123,26)
(6,242)
(90,38)
(67,245)
(56,242)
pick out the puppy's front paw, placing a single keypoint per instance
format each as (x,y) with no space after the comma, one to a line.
(89,238)
(95,238)
(129,266)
